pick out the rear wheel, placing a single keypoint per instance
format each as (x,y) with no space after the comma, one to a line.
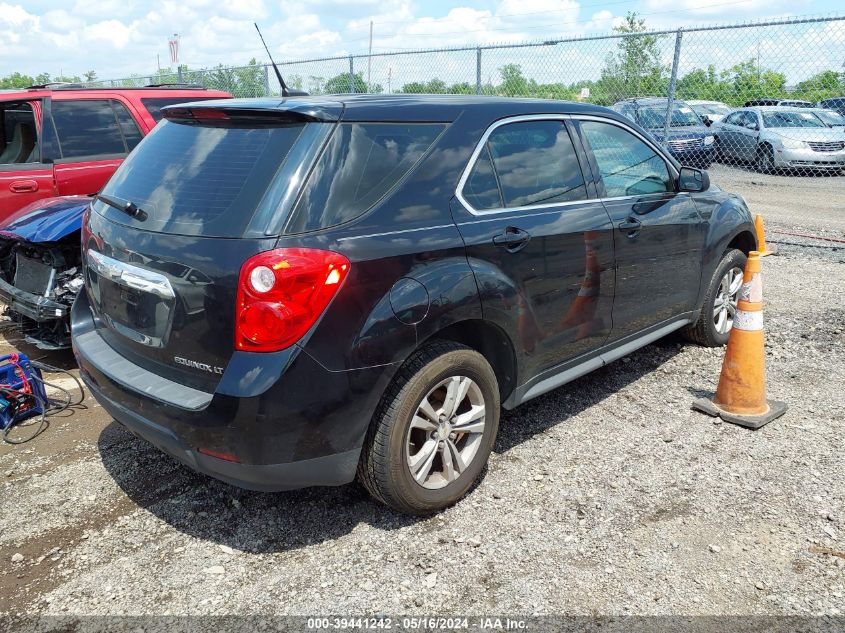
(719,306)
(433,432)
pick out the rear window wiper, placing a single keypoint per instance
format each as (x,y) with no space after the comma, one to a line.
(127,206)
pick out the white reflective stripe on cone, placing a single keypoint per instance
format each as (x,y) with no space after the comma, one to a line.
(748,321)
(753,290)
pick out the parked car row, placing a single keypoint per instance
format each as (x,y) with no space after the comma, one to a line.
(771,134)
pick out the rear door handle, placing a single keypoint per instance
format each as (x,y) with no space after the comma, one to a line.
(513,239)
(23,186)
(631,226)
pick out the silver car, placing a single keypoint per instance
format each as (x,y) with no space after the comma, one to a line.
(709,111)
(780,138)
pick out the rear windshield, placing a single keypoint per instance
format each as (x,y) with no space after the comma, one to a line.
(209,180)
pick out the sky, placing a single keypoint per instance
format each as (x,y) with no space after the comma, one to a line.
(119,38)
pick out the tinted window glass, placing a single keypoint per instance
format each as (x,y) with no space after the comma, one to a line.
(155,104)
(481,189)
(200,179)
(87,128)
(128,126)
(733,119)
(627,165)
(19,143)
(361,163)
(536,163)
(749,119)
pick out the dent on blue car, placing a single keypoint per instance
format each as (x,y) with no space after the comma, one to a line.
(40,272)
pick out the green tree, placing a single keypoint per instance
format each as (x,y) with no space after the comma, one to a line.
(90,76)
(635,69)
(431,87)
(747,80)
(341,84)
(514,82)
(702,84)
(828,83)
(16,80)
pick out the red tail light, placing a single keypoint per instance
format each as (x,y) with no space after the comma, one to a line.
(282,293)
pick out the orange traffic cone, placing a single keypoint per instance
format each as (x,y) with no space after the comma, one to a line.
(762,247)
(741,395)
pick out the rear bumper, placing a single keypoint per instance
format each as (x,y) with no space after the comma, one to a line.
(40,309)
(329,470)
(282,420)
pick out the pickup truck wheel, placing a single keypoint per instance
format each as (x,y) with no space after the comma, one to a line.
(719,307)
(433,431)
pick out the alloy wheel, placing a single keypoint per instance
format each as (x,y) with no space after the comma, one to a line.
(724,305)
(445,432)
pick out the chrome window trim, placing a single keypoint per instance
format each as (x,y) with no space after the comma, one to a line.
(556,117)
(480,146)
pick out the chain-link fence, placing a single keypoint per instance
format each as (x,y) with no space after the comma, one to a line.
(766,96)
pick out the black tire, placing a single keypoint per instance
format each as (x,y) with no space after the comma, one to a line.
(704,331)
(383,468)
(764,159)
(719,155)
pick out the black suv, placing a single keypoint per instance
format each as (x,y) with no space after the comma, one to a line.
(285,294)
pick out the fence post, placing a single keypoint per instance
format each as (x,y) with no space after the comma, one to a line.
(673,80)
(478,70)
(351,74)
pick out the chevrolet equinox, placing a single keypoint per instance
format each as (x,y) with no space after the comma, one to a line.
(288,293)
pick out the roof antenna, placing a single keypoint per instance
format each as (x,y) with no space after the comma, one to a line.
(282,83)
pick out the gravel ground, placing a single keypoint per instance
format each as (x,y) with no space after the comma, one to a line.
(608,496)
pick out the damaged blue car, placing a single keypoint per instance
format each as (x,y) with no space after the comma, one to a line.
(40,270)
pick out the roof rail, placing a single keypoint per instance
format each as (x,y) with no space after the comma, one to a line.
(175,84)
(55,84)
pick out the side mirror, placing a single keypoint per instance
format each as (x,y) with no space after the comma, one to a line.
(691,179)
(751,126)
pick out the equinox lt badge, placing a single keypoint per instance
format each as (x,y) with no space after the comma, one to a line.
(197,365)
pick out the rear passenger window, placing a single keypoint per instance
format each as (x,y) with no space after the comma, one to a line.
(535,164)
(94,127)
(361,163)
(481,189)
(628,166)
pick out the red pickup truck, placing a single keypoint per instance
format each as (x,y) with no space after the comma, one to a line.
(58,140)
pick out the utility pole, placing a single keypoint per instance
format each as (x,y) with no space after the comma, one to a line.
(370,58)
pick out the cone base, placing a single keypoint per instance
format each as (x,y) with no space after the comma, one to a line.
(776,409)
(771,249)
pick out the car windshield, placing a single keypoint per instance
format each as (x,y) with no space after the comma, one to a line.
(655,116)
(712,108)
(792,119)
(831,118)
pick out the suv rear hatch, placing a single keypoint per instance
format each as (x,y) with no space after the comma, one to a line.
(202,193)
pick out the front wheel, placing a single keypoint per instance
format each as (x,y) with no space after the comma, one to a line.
(719,306)
(433,431)
(764,159)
